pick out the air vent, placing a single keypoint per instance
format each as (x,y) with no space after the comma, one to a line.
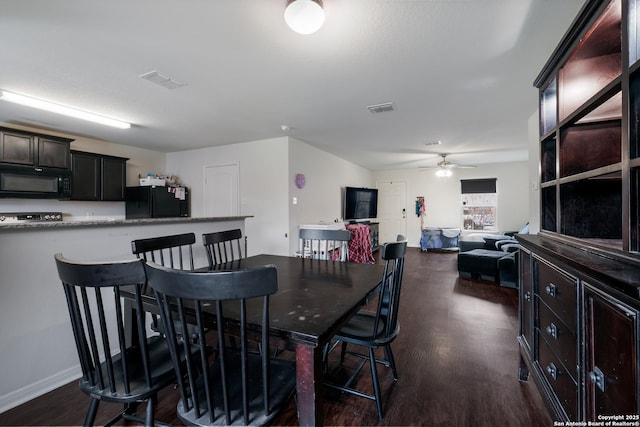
(162,80)
(381,108)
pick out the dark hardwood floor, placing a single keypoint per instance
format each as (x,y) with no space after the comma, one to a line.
(457,358)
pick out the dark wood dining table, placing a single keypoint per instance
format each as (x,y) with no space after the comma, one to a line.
(314,299)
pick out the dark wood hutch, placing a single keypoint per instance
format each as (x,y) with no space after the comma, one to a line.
(580,276)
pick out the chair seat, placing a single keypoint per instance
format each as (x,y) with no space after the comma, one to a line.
(162,374)
(359,328)
(282,383)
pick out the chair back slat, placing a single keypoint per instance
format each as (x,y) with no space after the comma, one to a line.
(175,251)
(224,246)
(324,244)
(226,389)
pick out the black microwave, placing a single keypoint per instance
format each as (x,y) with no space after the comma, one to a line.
(34,182)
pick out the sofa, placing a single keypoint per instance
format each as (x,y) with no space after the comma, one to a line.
(445,239)
(491,257)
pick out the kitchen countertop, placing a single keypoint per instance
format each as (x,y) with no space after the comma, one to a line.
(114,222)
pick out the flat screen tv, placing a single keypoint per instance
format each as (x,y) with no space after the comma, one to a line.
(360,203)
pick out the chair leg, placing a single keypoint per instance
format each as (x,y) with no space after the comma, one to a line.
(151,403)
(391,360)
(343,351)
(376,382)
(91,413)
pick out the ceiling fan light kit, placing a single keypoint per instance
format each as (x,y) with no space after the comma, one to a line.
(443,167)
(304,16)
(443,172)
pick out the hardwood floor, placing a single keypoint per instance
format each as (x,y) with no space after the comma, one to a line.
(457,359)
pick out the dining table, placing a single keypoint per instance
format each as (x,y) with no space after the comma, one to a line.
(315,298)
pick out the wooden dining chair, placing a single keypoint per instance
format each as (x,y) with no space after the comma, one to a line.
(378,329)
(175,251)
(224,246)
(237,387)
(112,370)
(324,244)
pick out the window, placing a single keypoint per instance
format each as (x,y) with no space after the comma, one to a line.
(479,204)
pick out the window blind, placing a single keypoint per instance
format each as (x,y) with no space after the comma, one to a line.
(474,186)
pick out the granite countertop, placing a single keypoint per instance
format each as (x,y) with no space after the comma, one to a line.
(114,222)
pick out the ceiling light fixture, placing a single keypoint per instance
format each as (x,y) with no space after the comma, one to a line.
(61,109)
(443,172)
(304,16)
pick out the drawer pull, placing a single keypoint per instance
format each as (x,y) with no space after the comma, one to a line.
(551,289)
(527,296)
(552,330)
(597,377)
(552,370)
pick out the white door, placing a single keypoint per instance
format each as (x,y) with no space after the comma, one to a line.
(392,210)
(221,190)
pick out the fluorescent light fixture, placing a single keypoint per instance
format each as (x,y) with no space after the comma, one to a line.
(61,109)
(304,16)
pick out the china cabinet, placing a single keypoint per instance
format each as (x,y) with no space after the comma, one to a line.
(580,276)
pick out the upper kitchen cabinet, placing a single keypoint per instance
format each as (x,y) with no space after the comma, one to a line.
(31,149)
(98,177)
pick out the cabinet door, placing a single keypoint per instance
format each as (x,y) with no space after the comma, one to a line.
(17,148)
(86,176)
(113,178)
(611,356)
(53,153)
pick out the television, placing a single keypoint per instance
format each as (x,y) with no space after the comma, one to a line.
(360,203)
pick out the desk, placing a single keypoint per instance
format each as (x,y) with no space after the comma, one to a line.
(314,299)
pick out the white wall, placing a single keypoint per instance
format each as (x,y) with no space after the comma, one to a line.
(264,188)
(442,195)
(320,200)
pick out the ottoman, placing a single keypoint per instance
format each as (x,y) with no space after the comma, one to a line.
(479,264)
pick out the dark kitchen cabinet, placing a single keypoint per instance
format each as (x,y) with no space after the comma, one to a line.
(31,149)
(98,177)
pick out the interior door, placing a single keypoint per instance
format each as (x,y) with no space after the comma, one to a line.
(392,210)
(221,190)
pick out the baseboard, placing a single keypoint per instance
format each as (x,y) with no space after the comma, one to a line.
(31,391)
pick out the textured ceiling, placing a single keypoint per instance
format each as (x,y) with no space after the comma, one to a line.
(458,71)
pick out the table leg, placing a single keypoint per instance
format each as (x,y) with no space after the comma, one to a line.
(309,385)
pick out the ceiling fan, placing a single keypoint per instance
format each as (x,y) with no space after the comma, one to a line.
(444,166)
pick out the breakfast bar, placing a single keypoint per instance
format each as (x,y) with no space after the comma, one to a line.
(33,311)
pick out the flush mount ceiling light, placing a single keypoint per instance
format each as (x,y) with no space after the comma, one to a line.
(304,16)
(61,109)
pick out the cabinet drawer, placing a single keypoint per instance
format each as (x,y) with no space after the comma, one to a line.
(561,382)
(559,338)
(558,290)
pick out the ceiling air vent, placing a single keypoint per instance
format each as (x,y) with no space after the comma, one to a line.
(161,79)
(381,108)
